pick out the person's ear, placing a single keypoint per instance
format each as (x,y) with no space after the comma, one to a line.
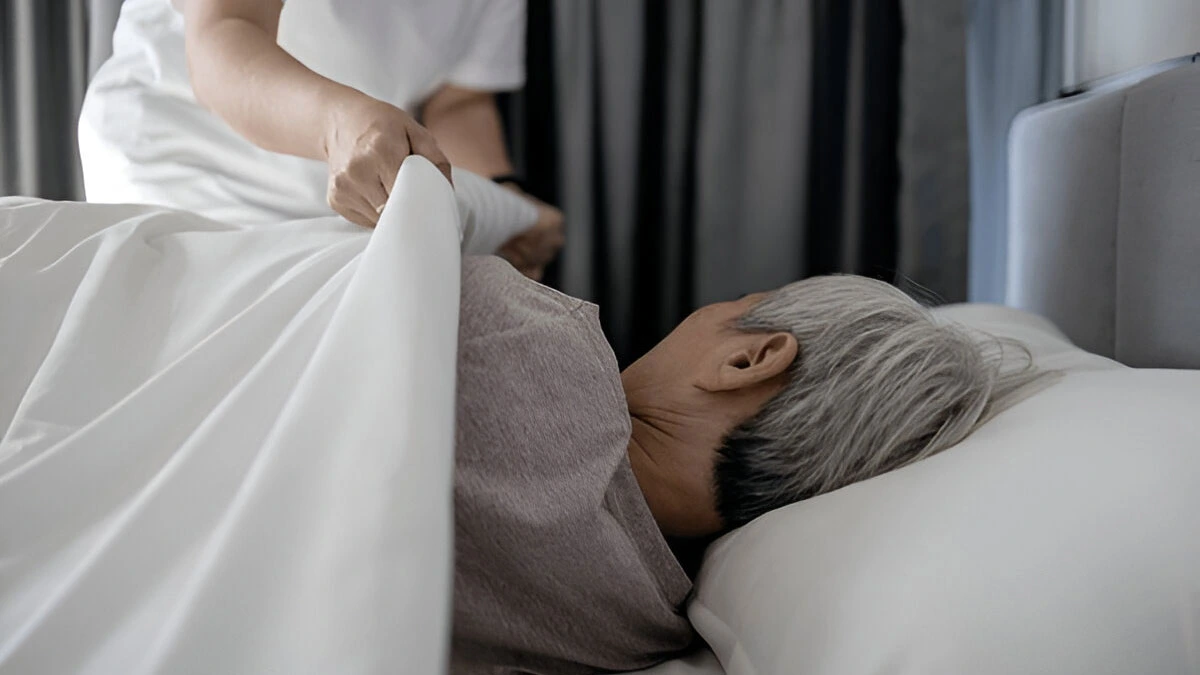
(753,359)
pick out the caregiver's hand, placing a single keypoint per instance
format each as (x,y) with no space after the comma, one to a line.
(239,71)
(534,248)
(365,143)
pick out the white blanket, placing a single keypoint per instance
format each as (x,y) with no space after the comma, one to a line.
(227,449)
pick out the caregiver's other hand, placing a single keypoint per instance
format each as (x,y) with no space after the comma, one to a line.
(534,248)
(365,143)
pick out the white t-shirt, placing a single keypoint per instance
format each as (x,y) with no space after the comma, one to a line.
(144,138)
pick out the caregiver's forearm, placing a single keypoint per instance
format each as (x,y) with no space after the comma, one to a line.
(241,74)
(467,127)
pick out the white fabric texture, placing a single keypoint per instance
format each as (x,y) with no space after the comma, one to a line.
(491,215)
(227,449)
(143,138)
(1060,538)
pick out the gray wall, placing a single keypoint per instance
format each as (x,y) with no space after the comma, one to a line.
(1107,37)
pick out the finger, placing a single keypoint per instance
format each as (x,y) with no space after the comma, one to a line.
(375,196)
(555,238)
(541,246)
(513,258)
(423,143)
(345,198)
(354,210)
(359,214)
(521,252)
(388,163)
(383,198)
(369,189)
(358,217)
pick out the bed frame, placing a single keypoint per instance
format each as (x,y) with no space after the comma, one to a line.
(1104,208)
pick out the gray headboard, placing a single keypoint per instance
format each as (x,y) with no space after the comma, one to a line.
(1104,202)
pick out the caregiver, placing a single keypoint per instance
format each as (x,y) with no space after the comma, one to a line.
(253,111)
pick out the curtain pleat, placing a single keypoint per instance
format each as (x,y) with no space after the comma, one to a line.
(708,149)
(43,75)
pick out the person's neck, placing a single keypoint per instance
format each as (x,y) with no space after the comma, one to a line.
(665,453)
(644,442)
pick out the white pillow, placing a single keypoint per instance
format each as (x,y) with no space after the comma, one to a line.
(1062,537)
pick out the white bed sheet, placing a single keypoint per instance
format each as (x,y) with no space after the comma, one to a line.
(250,470)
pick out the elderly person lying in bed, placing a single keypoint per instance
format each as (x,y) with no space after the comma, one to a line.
(576,484)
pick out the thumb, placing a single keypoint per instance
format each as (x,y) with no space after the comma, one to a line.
(423,143)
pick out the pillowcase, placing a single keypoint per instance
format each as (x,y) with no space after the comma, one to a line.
(1061,537)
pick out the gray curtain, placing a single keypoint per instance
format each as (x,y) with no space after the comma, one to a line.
(934,205)
(685,156)
(1014,60)
(750,124)
(43,74)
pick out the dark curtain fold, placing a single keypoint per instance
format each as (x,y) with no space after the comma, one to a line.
(935,200)
(43,75)
(702,150)
(882,38)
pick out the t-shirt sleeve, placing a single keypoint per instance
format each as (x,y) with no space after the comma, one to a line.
(494,59)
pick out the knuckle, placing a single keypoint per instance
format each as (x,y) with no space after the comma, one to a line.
(380,144)
(375,134)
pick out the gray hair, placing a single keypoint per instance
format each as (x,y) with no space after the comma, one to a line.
(878,383)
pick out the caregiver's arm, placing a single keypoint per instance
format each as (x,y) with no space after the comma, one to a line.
(239,72)
(467,127)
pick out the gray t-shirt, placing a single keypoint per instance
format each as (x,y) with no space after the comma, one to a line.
(559,565)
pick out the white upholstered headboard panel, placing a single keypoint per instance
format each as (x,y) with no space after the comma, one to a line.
(1104,201)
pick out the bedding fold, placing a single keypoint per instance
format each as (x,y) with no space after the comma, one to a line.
(227,449)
